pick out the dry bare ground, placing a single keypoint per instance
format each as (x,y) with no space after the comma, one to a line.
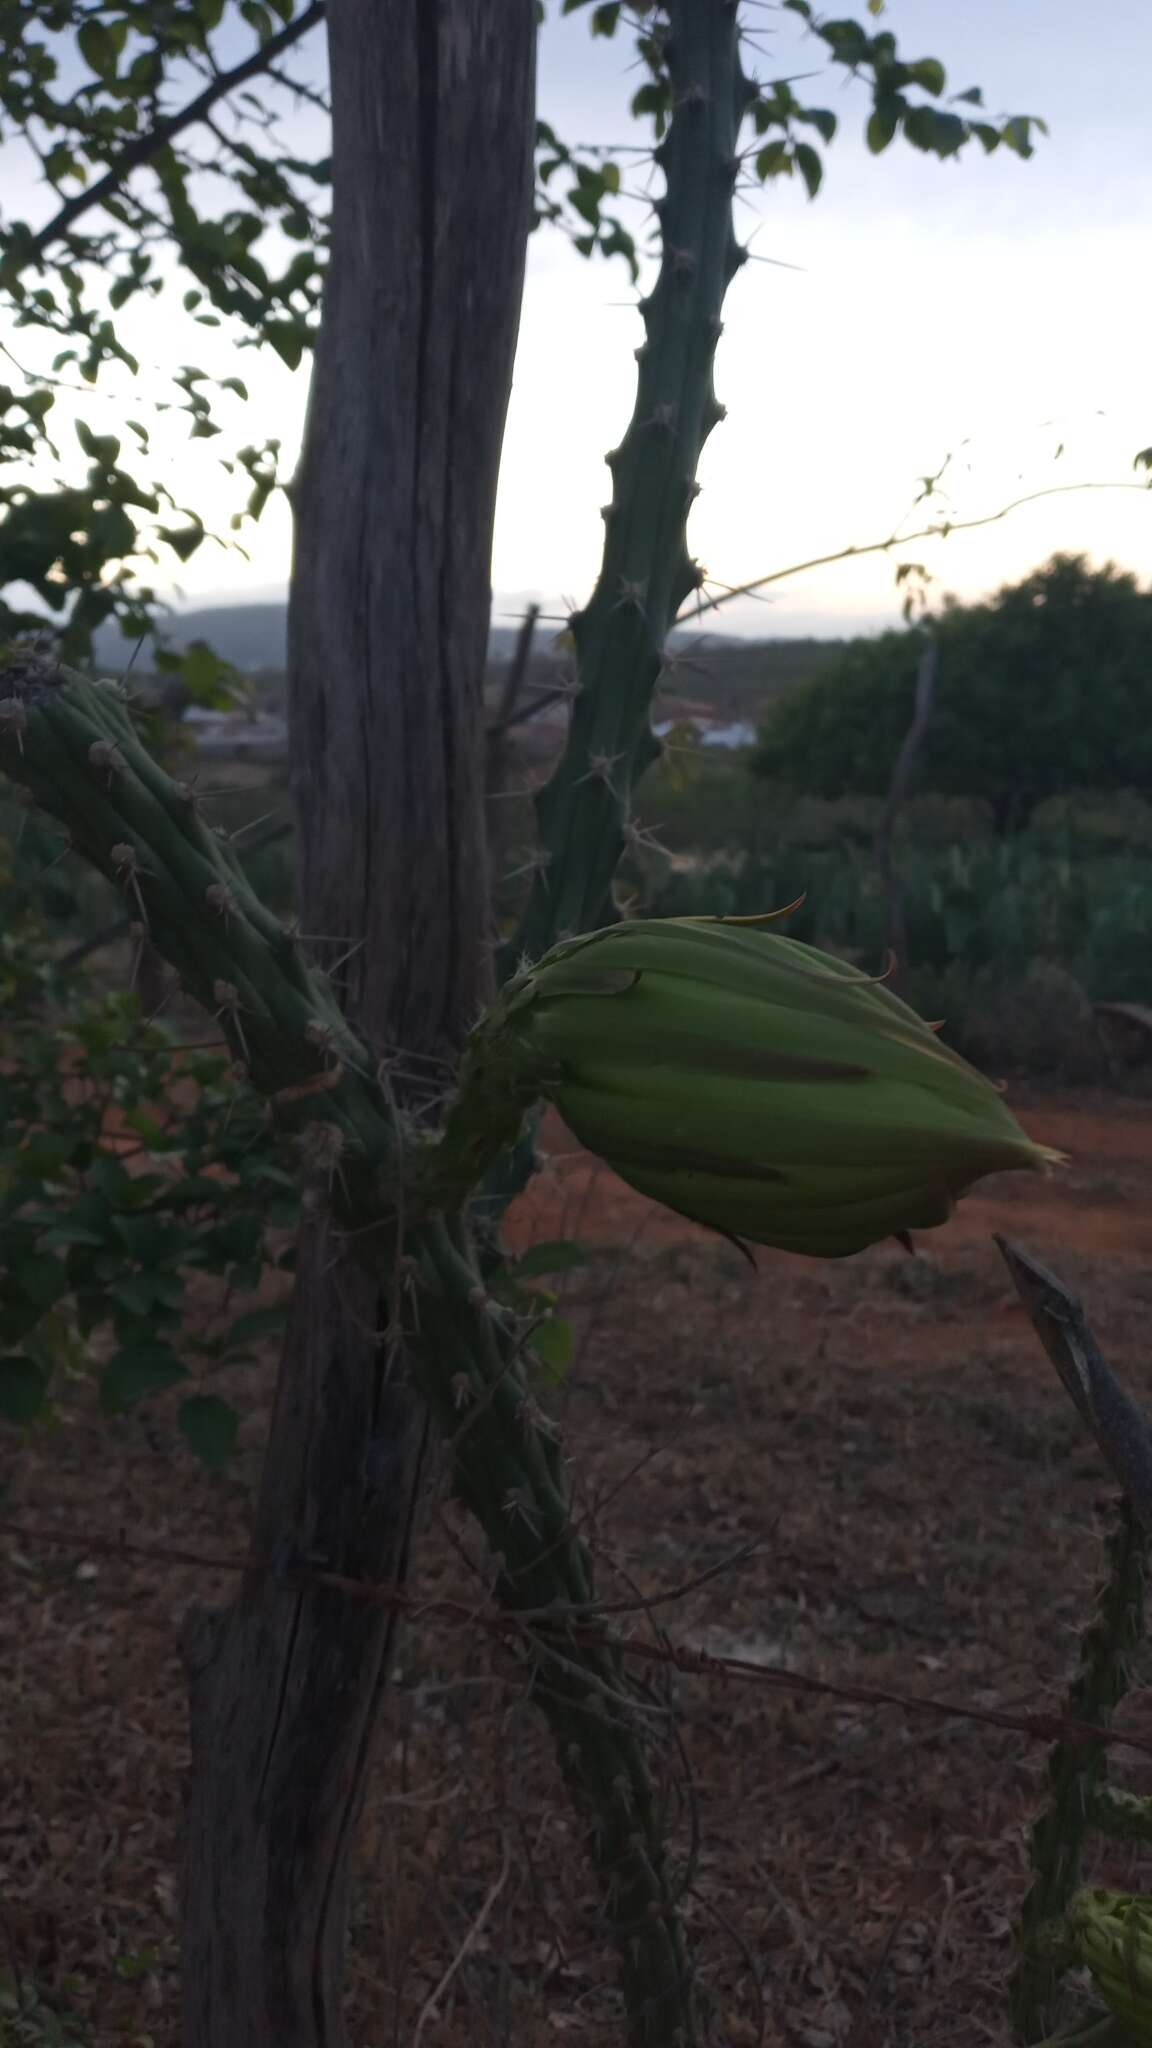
(924,1510)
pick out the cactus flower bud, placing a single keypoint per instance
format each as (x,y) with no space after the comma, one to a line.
(1111,1933)
(753,1084)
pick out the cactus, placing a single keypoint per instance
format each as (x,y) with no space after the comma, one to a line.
(584,813)
(397,1191)
(73,745)
(1076,1772)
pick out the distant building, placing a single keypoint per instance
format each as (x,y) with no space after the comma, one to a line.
(260,734)
(711,732)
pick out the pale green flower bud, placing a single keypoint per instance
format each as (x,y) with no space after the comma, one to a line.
(754,1084)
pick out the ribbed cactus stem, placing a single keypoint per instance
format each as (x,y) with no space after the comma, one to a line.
(509,1471)
(72,744)
(1076,1774)
(584,811)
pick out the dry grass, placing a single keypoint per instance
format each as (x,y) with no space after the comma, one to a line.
(886,1432)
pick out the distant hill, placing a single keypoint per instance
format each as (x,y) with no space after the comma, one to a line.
(733,676)
(251,636)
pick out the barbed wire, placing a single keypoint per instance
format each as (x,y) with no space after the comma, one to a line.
(584,1626)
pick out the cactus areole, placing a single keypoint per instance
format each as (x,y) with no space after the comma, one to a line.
(751,1083)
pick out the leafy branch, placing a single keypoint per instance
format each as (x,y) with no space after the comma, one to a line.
(163,133)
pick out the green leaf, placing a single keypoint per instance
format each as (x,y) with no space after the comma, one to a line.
(68,1233)
(929,73)
(134,1291)
(261,1322)
(810,167)
(287,340)
(552,1343)
(60,163)
(183,540)
(939,134)
(101,448)
(585,200)
(146,1127)
(257,17)
(98,48)
(882,124)
(43,1280)
(209,1425)
(1017,136)
(650,99)
(23,1389)
(557,1255)
(972,98)
(137,1371)
(774,160)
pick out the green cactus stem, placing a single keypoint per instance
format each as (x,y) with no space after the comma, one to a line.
(509,1472)
(1076,1773)
(584,814)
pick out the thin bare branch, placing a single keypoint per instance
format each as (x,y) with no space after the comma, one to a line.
(939,531)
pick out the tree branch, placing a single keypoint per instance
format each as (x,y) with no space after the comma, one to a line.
(939,531)
(145,147)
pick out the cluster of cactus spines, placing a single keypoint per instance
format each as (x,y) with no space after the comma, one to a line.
(1077,1796)
(584,812)
(71,743)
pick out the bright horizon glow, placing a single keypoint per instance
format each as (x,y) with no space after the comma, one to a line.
(931,306)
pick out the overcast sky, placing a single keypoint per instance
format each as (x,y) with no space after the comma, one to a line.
(987,307)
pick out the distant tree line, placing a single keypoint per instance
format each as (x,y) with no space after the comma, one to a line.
(1043,689)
